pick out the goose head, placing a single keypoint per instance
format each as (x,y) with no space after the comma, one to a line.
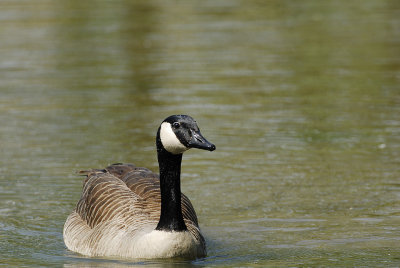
(179,133)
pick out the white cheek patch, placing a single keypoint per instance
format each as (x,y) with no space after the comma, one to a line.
(169,140)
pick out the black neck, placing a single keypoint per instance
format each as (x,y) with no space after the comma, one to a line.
(171,218)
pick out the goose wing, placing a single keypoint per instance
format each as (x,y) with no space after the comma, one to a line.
(123,190)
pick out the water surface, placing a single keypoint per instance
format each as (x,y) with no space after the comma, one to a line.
(302,99)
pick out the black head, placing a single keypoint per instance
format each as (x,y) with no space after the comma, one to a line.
(179,133)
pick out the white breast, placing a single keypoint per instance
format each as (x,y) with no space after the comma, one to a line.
(109,239)
(162,244)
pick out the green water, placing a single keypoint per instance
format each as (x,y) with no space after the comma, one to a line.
(301,98)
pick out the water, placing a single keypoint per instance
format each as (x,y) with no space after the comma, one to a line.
(302,99)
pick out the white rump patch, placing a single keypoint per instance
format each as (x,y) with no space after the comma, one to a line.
(169,140)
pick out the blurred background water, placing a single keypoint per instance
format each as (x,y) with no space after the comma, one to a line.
(302,99)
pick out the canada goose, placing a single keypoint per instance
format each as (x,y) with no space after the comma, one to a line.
(131,212)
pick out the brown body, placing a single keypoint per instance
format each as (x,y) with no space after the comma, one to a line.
(119,203)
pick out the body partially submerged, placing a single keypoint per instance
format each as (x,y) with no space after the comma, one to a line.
(131,212)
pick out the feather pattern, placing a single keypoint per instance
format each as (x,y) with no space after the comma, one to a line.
(117,215)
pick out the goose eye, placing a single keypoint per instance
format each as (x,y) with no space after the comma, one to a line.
(176,125)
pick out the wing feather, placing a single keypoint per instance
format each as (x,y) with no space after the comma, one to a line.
(125,191)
